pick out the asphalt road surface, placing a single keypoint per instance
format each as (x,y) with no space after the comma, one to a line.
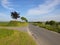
(44,36)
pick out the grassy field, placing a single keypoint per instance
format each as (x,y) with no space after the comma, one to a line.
(3,23)
(49,27)
(17,23)
(13,37)
(14,23)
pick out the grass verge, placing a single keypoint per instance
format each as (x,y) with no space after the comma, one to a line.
(14,24)
(49,27)
(13,37)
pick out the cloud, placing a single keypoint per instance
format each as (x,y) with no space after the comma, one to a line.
(44,18)
(6,4)
(44,8)
(4,17)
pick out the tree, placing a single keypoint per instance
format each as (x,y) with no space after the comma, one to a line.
(52,22)
(15,15)
(47,22)
(23,18)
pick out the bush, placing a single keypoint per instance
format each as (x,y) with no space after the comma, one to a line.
(47,22)
(13,23)
(58,30)
(52,22)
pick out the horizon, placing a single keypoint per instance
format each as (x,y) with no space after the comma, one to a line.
(33,10)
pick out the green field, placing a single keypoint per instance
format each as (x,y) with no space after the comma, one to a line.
(3,23)
(14,24)
(17,23)
(13,37)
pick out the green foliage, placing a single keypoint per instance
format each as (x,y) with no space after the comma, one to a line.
(17,23)
(58,29)
(13,24)
(52,22)
(14,37)
(47,22)
(5,32)
(14,15)
(23,18)
(50,25)
(3,23)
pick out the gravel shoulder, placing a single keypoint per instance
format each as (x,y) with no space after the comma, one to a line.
(17,28)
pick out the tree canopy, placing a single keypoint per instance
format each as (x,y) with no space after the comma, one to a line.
(23,18)
(15,15)
(51,22)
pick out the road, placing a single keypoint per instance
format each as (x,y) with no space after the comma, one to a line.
(44,36)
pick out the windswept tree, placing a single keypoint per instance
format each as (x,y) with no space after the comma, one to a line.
(24,19)
(15,15)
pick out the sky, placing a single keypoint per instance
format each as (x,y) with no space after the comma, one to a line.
(33,10)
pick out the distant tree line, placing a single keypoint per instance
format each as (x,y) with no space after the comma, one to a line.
(52,22)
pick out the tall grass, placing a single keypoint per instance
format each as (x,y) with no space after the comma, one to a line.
(5,32)
(3,23)
(14,37)
(14,23)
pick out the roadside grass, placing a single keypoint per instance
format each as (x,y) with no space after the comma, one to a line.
(14,24)
(4,33)
(14,37)
(17,23)
(49,27)
(3,23)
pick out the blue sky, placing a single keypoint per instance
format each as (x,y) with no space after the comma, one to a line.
(33,10)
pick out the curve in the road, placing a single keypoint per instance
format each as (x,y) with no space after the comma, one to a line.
(44,36)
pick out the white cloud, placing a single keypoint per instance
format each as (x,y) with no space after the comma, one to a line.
(44,8)
(45,18)
(4,17)
(6,4)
